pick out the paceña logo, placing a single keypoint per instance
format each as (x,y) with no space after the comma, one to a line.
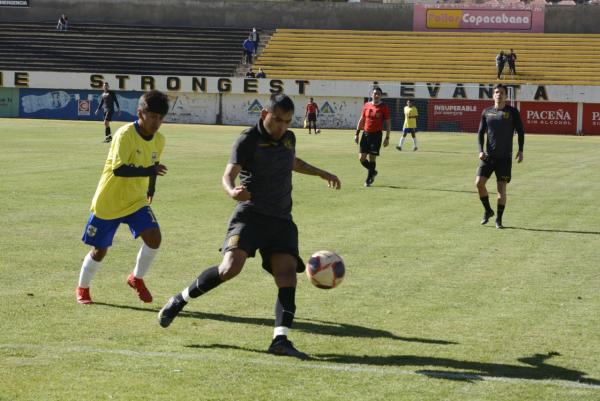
(549,117)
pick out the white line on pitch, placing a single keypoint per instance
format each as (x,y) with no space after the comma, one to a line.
(388,370)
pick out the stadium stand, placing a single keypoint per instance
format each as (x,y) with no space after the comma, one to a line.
(559,59)
(121,49)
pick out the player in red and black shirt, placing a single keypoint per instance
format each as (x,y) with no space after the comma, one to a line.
(312,111)
(375,115)
(500,122)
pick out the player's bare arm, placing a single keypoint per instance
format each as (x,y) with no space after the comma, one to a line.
(302,167)
(239,193)
(388,128)
(359,127)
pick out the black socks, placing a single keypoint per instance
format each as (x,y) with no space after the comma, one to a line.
(285,307)
(205,282)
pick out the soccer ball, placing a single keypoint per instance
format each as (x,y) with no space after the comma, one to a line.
(325,269)
(318,131)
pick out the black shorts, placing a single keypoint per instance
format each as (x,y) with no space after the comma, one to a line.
(311,117)
(502,168)
(108,115)
(250,231)
(370,142)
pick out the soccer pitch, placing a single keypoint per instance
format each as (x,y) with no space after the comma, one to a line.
(433,305)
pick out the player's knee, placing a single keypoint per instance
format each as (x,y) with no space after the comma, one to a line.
(98,254)
(152,238)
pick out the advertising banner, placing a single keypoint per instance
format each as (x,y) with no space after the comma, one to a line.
(549,118)
(9,102)
(473,17)
(73,104)
(591,119)
(334,112)
(455,115)
(14,3)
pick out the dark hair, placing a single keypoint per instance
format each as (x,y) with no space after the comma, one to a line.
(280,101)
(378,89)
(501,86)
(154,102)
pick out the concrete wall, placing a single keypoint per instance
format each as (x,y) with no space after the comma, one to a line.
(235,14)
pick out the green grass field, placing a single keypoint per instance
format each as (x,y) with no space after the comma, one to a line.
(433,307)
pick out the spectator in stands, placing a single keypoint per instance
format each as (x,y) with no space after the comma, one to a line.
(255,38)
(248,46)
(250,74)
(511,58)
(500,60)
(312,111)
(108,101)
(63,23)
(374,118)
(261,73)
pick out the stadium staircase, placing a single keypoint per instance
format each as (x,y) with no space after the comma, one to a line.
(121,49)
(559,59)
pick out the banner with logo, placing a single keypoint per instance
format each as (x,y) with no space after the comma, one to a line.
(455,115)
(549,118)
(9,102)
(14,3)
(591,119)
(73,104)
(474,17)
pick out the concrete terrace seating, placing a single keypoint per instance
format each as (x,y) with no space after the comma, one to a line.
(121,49)
(559,59)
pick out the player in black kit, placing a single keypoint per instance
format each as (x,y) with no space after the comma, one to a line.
(264,157)
(108,100)
(499,121)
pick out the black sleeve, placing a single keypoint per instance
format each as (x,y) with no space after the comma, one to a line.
(115,99)
(481,132)
(243,148)
(519,129)
(132,171)
(152,183)
(101,103)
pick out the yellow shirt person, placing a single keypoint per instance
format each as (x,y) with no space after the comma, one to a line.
(120,196)
(410,124)
(124,194)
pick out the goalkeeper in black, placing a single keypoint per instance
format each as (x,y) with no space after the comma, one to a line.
(108,101)
(499,122)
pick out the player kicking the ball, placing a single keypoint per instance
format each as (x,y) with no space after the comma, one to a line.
(125,190)
(264,157)
(499,121)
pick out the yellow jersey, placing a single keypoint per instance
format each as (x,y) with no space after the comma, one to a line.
(410,117)
(121,196)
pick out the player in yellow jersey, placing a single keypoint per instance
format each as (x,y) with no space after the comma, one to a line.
(410,124)
(124,194)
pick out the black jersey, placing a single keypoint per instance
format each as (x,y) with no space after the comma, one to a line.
(108,100)
(266,170)
(500,126)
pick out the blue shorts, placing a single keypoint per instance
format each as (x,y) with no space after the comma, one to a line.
(99,233)
(410,131)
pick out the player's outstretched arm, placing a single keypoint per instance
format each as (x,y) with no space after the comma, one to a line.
(302,167)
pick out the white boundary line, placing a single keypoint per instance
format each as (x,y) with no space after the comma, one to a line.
(315,364)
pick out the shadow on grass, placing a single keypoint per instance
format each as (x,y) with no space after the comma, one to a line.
(550,230)
(426,189)
(532,368)
(306,325)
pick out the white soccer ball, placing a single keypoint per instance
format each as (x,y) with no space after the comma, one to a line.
(325,269)
(318,131)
